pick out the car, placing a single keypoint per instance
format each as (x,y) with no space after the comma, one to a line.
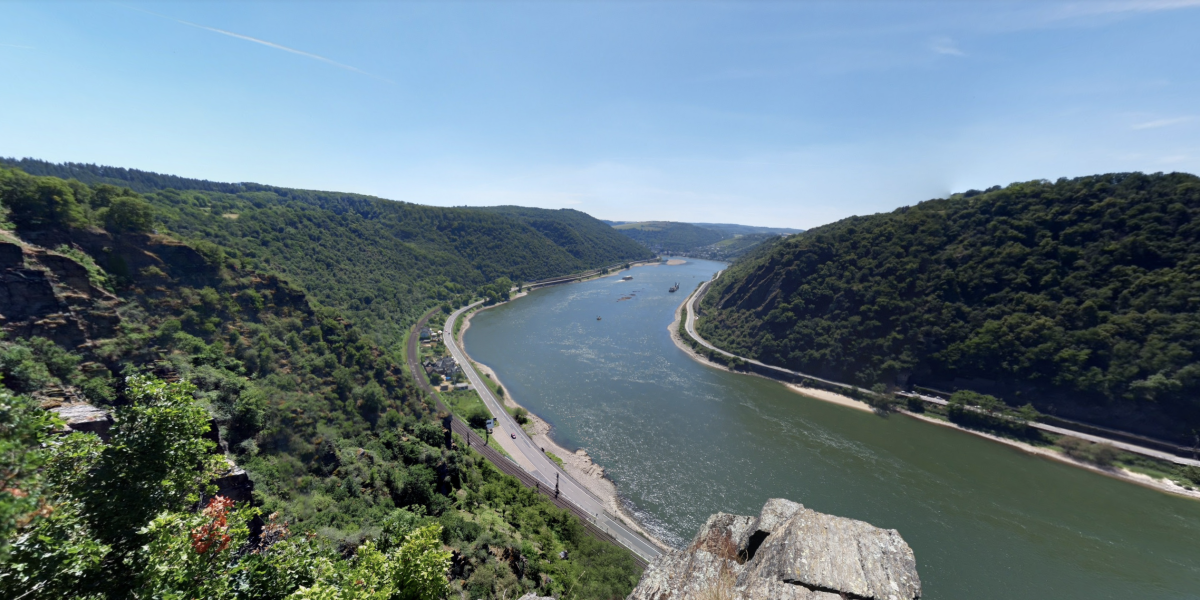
(514,436)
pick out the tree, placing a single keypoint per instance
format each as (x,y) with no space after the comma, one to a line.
(105,495)
(414,571)
(37,202)
(129,215)
(24,429)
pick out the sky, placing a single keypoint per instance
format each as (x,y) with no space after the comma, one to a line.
(786,114)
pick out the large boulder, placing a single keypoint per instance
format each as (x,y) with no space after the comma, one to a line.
(787,552)
(84,418)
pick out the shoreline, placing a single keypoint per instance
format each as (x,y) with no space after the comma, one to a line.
(1158,484)
(578,465)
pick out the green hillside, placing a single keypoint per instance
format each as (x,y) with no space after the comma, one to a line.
(353,478)
(382,262)
(1080,296)
(666,236)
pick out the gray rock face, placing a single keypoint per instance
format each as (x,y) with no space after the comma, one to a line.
(85,418)
(788,552)
(235,484)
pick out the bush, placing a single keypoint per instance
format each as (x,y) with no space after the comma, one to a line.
(1102,455)
(21,371)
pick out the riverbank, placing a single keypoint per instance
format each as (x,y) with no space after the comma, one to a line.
(814,393)
(578,465)
(1156,483)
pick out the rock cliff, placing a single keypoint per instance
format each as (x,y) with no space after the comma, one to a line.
(787,552)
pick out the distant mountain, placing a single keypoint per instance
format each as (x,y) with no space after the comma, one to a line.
(668,237)
(717,241)
(1081,296)
(731,230)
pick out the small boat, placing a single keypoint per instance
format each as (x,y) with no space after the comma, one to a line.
(597,318)
(674,288)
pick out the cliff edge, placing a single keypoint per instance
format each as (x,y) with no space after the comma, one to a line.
(788,552)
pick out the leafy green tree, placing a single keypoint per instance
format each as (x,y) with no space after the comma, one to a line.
(104,495)
(416,570)
(36,202)
(24,430)
(103,194)
(193,554)
(129,215)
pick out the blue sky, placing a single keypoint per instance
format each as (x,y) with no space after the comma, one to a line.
(765,113)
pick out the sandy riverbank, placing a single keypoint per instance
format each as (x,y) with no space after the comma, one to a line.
(808,392)
(577,464)
(1163,485)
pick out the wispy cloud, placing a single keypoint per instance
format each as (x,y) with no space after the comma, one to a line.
(1116,7)
(239,36)
(18,46)
(1155,124)
(945,45)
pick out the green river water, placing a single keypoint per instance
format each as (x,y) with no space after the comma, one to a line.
(682,441)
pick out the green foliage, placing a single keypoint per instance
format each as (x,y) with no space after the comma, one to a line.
(192,554)
(20,368)
(129,215)
(1082,290)
(37,202)
(104,494)
(1099,454)
(666,236)
(24,429)
(337,439)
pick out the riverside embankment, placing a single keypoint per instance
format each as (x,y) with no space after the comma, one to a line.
(681,441)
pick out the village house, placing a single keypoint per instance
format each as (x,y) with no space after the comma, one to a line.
(444,366)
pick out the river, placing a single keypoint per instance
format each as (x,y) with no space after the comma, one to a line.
(682,441)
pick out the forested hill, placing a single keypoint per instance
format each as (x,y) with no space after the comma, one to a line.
(382,262)
(667,236)
(1080,296)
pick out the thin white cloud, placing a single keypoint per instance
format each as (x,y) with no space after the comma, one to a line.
(1126,6)
(1162,123)
(945,45)
(18,46)
(268,44)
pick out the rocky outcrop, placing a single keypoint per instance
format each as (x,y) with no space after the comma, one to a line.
(46,294)
(787,552)
(84,418)
(235,484)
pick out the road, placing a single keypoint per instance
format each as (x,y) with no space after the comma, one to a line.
(690,324)
(531,457)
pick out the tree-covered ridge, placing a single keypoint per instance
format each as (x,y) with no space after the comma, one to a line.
(138,181)
(667,236)
(380,261)
(1080,296)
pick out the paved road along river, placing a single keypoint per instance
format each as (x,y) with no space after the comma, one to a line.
(682,441)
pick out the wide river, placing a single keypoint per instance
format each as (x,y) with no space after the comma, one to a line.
(683,441)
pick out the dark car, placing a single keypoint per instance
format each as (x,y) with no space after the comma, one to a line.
(514,436)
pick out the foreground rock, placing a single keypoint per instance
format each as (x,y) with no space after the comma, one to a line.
(787,552)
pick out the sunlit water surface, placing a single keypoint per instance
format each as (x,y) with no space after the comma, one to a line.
(683,441)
